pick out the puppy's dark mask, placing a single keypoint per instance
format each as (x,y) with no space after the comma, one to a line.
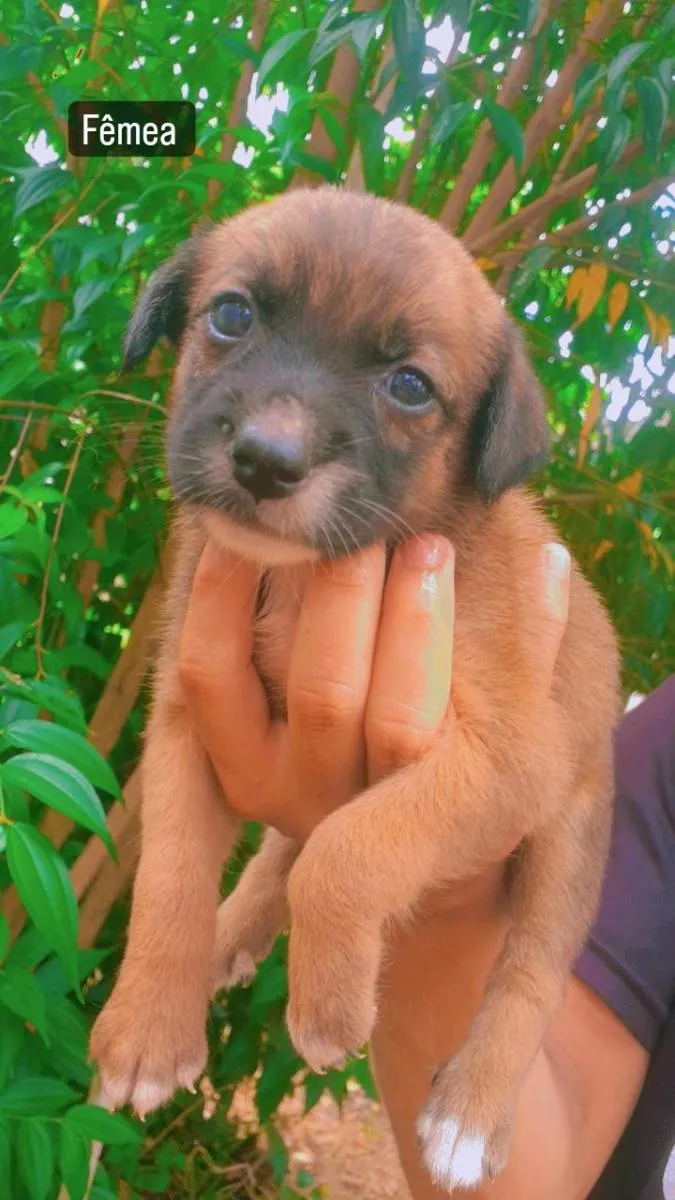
(345,375)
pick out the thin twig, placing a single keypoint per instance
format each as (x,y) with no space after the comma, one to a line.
(52,548)
(546,118)
(33,250)
(483,145)
(15,452)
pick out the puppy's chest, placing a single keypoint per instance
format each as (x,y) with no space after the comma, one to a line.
(275,630)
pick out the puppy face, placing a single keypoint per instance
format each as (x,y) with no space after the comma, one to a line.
(346,375)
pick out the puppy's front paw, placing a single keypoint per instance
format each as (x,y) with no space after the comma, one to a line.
(149,1041)
(332,989)
(244,938)
(463,1132)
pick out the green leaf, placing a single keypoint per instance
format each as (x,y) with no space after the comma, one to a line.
(235,42)
(280,51)
(10,634)
(315,1086)
(586,86)
(407,30)
(614,98)
(50,694)
(102,248)
(68,1031)
(46,892)
(449,119)
(35,1157)
(280,1066)
(15,372)
(74,1154)
(654,105)
(360,1069)
(12,519)
(102,1126)
(362,32)
(21,993)
(312,162)
(49,738)
(39,494)
(613,140)
(19,59)
(327,42)
(53,979)
(35,1096)
(14,1033)
(665,69)
(527,14)
(60,786)
(5,1150)
(460,11)
(277,1152)
(88,293)
(4,937)
(370,129)
(270,984)
(333,127)
(507,130)
(623,60)
(30,949)
(38,186)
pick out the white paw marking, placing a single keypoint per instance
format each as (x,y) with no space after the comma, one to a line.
(318,1054)
(149,1095)
(452,1159)
(186,1076)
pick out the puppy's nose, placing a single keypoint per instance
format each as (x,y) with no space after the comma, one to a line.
(269,465)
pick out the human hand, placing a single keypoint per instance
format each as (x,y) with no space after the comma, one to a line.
(368,686)
(369,682)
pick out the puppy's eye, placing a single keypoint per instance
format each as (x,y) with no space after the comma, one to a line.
(409,388)
(230,318)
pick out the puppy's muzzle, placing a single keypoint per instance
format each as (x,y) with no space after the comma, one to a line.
(268,461)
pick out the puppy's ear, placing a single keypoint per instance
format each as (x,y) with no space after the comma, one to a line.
(509,434)
(162,308)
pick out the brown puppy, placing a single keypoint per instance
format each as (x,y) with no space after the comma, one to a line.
(347,375)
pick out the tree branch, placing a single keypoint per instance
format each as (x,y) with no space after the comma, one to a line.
(561,236)
(483,147)
(546,119)
(342,83)
(237,114)
(552,199)
(354,176)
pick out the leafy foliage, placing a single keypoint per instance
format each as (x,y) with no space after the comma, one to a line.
(544,137)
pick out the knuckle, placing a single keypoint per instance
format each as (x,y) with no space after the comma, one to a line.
(398,738)
(325,704)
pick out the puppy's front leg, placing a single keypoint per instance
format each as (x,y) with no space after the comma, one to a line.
(256,912)
(448,817)
(150,1037)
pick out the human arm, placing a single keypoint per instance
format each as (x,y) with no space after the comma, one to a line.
(580,1092)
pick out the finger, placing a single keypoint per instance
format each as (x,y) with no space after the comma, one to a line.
(410,686)
(223,689)
(555,590)
(330,674)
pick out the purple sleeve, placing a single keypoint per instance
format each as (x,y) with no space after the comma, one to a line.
(629,959)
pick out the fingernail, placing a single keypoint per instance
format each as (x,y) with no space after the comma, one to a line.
(427,551)
(556,579)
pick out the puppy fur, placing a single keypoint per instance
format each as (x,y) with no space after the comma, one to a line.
(343,291)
